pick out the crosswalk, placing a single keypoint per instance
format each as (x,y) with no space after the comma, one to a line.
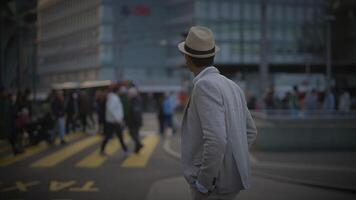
(46,156)
(95,159)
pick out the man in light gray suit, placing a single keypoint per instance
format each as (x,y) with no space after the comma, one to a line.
(217,127)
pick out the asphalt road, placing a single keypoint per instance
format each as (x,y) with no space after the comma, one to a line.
(77,171)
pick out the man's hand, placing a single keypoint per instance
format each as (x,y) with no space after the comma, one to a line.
(197,195)
(200,191)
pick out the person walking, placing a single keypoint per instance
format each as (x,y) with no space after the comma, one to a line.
(294,104)
(217,127)
(169,105)
(72,110)
(160,114)
(134,117)
(83,110)
(101,104)
(114,119)
(329,101)
(58,112)
(345,102)
(8,117)
(311,100)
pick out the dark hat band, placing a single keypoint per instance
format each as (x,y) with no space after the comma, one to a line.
(195,52)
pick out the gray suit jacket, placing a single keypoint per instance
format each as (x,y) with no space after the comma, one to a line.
(217,130)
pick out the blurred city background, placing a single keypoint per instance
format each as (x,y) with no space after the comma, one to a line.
(59,59)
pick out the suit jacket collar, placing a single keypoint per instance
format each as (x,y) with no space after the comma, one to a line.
(205,72)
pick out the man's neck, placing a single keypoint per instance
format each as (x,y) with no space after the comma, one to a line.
(197,70)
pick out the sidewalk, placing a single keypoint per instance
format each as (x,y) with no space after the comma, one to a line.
(334,171)
(330,170)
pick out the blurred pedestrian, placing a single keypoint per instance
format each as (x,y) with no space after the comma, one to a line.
(169,105)
(311,100)
(7,121)
(160,114)
(84,105)
(72,111)
(344,102)
(217,127)
(114,116)
(269,99)
(251,100)
(329,101)
(134,116)
(285,100)
(294,99)
(101,101)
(58,111)
(124,100)
(22,118)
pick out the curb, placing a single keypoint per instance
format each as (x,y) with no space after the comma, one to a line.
(168,149)
(306,182)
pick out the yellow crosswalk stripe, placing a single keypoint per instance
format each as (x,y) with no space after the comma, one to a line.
(94,159)
(140,160)
(68,151)
(10,159)
(4,149)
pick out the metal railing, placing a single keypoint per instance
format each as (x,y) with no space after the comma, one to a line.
(303,114)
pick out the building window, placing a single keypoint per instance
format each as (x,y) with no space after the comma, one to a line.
(225,10)
(235,10)
(213,14)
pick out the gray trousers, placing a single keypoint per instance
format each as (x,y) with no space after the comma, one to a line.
(213,196)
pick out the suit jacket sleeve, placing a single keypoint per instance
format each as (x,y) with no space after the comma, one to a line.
(210,109)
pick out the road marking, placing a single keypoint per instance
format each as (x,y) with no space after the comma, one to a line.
(4,149)
(140,160)
(56,186)
(87,187)
(94,159)
(21,186)
(68,151)
(10,159)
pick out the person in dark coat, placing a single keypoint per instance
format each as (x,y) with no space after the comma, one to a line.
(83,110)
(58,111)
(160,114)
(72,110)
(101,106)
(134,117)
(7,121)
(22,118)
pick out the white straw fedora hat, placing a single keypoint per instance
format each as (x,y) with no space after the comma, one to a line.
(199,43)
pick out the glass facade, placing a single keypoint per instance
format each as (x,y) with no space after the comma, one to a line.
(295,29)
(137,39)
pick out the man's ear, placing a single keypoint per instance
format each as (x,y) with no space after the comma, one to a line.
(188,60)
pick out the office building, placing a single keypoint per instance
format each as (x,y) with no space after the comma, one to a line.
(295,34)
(84,40)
